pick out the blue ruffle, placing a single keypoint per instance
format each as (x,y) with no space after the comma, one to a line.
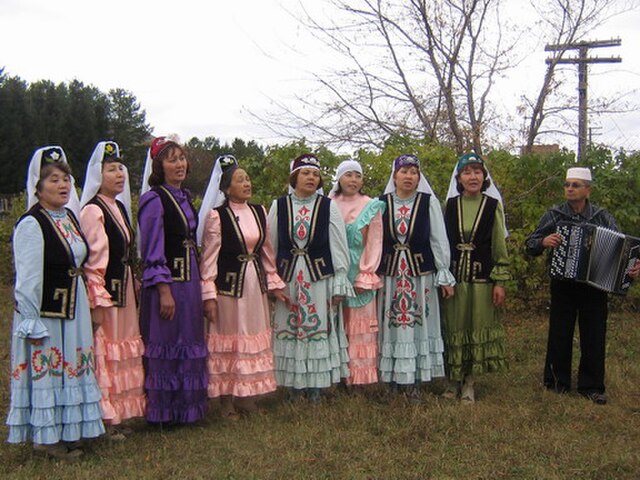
(32,328)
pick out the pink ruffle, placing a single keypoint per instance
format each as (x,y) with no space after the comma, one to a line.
(118,410)
(362,320)
(239,343)
(368,281)
(98,295)
(209,291)
(366,350)
(241,388)
(231,365)
(362,376)
(120,382)
(274,282)
(126,349)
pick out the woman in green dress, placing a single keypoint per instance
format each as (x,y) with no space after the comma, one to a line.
(472,326)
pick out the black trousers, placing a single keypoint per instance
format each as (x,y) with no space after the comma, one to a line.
(571,301)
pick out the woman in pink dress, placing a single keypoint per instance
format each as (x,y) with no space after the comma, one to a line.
(238,269)
(363,219)
(118,346)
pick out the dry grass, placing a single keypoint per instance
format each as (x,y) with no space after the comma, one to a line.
(516,430)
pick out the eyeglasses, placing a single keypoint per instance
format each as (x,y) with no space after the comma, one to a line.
(573,185)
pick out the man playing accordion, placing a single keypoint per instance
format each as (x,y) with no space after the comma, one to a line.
(571,300)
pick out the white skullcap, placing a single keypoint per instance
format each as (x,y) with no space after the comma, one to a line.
(580,173)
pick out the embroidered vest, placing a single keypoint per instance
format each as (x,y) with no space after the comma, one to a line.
(178,237)
(417,244)
(234,257)
(317,251)
(120,251)
(60,273)
(471,259)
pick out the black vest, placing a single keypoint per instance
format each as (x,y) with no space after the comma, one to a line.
(234,257)
(60,273)
(471,259)
(417,244)
(178,237)
(317,251)
(120,252)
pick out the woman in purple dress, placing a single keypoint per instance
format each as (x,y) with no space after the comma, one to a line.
(171,318)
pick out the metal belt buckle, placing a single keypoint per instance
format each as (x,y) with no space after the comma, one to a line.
(298,251)
(75,272)
(400,247)
(465,247)
(246,257)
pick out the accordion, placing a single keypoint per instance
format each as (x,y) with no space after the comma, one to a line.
(595,255)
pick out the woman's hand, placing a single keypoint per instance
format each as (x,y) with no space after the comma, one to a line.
(281,296)
(447,291)
(337,299)
(499,295)
(210,308)
(167,304)
(35,342)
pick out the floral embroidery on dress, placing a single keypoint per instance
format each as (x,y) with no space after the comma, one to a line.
(402,223)
(51,361)
(404,311)
(303,320)
(301,223)
(46,362)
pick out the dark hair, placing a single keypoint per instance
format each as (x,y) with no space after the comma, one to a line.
(48,169)
(293,179)
(226,178)
(157,172)
(485,184)
(108,160)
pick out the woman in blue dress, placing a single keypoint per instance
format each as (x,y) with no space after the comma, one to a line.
(54,393)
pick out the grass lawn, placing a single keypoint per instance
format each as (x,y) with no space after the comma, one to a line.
(516,430)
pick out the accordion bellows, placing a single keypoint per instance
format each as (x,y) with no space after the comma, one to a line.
(595,255)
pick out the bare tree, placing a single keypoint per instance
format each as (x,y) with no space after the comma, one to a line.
(565,22)
(422,68)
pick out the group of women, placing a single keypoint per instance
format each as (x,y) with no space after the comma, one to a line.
(354,281)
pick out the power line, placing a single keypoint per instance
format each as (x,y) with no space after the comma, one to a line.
(582,60)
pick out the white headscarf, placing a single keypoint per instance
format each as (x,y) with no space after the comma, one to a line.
(492,191)
(423,184)
(93,178)
(146,173)
(33,175)
(213,196)
(344,167)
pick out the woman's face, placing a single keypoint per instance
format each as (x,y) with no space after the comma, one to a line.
(113,177)
(471,178)
(350,183)
(239,190)
(406,179)
(55,190)
(307,182)
(174,166)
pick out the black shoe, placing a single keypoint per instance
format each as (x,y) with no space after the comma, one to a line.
(557,388)
(596,397)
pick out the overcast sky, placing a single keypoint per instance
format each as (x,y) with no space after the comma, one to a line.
(199,67)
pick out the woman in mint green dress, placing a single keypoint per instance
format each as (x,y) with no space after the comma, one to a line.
(363,218)
(472,326)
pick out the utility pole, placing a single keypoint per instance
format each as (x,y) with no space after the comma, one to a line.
(583,60)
